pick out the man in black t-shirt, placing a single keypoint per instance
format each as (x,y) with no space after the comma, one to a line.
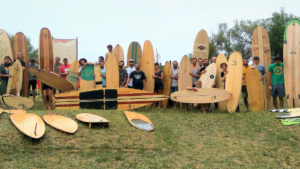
(138,77)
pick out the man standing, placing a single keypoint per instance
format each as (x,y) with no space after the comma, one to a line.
(214,59)
(260,67)
(195,71)
(130,69)
(246,67)
(174,77)
(4,73)
(64,69)
(200,62)
(103,74)
(109,48)
(57,65)
(138,77)
(32,79)
(277,81)
(122,74)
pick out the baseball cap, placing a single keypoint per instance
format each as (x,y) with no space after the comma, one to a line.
(256,58)
(131,60)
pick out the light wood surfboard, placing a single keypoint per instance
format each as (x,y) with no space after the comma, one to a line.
(12,111)
(91,118)
(62,123)
(134,52)
(167,81)
(201,45)
(255,90)
(203,95)
(73,77)
(20,46)
(118,53)
(184,80)
(87,80)
(147,65)
(112,72)
(52,80)
(289,115)
(219,84)
(29,124)
(291,60)
(17,102)
(5,46)
(98,78)
(139,121)
(15,82)
(261,48)
(208,79)
(233,82)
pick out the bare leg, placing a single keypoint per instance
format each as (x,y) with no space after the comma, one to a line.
(205,108)
(45,98)
(246,103)
(159,92)
(281,102)
(50,97)
(275,102)
(33,94)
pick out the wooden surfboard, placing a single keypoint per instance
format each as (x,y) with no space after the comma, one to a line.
(208,79)
(201,96)
(87,80)
(73,77)
(91,118)
(29,124)
(112,72)
(134,52)
(52,80)
(5,46)
(98,78)
(17,102)
(184,80)
(139,121)
(219,84)
(233,83)
(201,45)
(255,90)
(62,123)
(118,53)
(20,46)
(167,81)
(289,115)
(147,65)
(261,48)
(15,82)
(291,60)
(12,111)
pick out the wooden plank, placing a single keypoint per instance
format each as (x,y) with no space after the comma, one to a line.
(201,45)
(112,72)
(167,81)
(255,90)
(134,52)
(147,65)
(219,84)
(139,121)
(184,80)
(62,123)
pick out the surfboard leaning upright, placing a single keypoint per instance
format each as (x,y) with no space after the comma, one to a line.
(219,84)
(261,48)
(184,80)
(291,60)
(147,65)
(233,82)
(118,53)
(112,72)
(255,90)
(5,46)
(166,82)
(201,45)
(134,52)
(73,77)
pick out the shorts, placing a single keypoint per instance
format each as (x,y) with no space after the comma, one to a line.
(158,86)
(244,92)
(278,90)
(32,83)
(47,87)
(173,89)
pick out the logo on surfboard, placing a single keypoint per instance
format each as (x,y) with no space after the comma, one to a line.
(211,76)
(201,47)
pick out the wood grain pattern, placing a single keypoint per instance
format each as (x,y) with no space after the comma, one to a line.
(219,84)
(167,81)
(62,123)
(201,45)
(112,72)
(20,46)
(118,53)
(255,90)
(45,49)
(134,52)
(98,78)
(261,48)
(208,79)
(233,82)
(29,124)
(15,82)
(147,65)
(139,121)
(5,46)
(184,80)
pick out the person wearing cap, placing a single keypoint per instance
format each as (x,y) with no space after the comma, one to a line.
(109,48)
(130,69)
(260,67)
(246,67)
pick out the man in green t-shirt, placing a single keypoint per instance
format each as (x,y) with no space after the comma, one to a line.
(277,81)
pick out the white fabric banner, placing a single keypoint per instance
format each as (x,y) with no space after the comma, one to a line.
(65,48)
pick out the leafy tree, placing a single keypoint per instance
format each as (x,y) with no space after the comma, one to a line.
(190,55)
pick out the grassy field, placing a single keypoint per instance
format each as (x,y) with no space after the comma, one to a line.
(181,139)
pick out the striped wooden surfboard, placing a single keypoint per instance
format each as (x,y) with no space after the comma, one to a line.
(134,52)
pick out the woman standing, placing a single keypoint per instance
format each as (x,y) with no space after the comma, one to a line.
(159,76)
(47,90)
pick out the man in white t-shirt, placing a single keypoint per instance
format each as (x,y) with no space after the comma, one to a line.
(130,69)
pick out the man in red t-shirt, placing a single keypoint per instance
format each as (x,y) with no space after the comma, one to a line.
(64,69)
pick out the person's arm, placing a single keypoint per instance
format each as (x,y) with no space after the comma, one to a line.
(102,75)
(191,88)
(265,74)
(128,80)
(144,84)
(161,76)
(90,63)
(125,80)
(223,78)
(2,75)
(61,71)
(270,85)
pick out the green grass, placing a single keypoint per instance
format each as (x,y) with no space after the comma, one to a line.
(181,139)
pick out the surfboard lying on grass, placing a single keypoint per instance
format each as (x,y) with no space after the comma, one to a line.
(139,121)
(61,123)
(289,122)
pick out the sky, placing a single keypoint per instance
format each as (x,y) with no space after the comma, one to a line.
(171,25)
